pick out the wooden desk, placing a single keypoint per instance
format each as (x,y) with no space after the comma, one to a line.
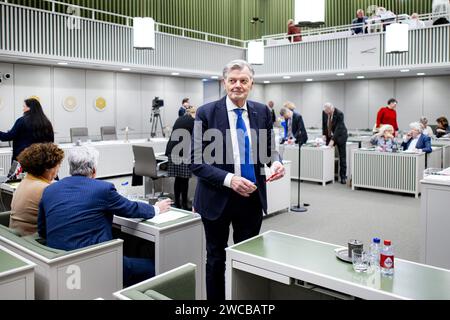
(276,265)
(16,276)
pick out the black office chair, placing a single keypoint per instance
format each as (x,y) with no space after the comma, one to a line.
(146,165)
(108,133)
(79,134)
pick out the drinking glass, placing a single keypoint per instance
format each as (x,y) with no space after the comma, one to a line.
(360,260)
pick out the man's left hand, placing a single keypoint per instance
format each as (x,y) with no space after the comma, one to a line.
(278,171)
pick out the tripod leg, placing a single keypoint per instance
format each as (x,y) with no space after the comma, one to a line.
(160,123)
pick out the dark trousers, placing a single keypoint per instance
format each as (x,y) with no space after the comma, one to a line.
(245,215)
(136,270)
(342,151)
(180,189)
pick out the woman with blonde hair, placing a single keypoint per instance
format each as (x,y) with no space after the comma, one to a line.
(384,140)
(41,162)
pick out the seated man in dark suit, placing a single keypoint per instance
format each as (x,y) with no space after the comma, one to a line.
(296,131)
(414,140)
(77,212)
(359,22)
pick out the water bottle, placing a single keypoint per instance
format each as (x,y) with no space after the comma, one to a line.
(374,250)
(387,259)
(123,188)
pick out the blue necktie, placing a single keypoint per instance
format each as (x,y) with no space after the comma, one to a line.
(247,168)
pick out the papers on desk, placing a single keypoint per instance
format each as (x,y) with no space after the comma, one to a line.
(167,217)
(439,179)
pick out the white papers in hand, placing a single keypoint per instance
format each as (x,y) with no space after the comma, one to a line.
(167,216)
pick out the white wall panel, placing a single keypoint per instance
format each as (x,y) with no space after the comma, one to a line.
(409,93)
(436,98)
(334,92)
(356,111)
(274,92)
(7,105)
(128,97)
(257,94)
(68,83)
(193,89)
(174,93)
(293,92)
(99,84)
(380,91)
(211,91)
(312,105)
(32,81)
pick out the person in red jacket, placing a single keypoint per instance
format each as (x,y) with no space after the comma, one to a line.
(388,115)
(295,30)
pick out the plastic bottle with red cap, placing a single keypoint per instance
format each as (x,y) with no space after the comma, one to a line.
(387,259)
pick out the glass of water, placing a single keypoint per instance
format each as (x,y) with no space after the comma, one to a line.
(360,260)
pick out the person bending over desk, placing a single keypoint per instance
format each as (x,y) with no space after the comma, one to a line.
(77,212)
(414,140)
(41,162)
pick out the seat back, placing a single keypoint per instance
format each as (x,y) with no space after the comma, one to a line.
(145,161)
(108,133)
(175,284)
(79,134)
(4,218)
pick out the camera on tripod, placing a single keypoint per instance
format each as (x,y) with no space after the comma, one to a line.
(157,103)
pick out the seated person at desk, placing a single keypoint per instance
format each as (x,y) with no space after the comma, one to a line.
(41,162)
(359,22)
(414,140)
(296,131)
(426,128)
(384,140)
(77,212)
(442,127)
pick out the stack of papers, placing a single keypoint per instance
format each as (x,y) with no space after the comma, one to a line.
(167,217)
(439,179)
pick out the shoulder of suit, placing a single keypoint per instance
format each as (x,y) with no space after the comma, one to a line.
(257,105)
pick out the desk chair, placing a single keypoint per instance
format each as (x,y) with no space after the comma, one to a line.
(108,133)
(175,284)
(145,165)
(4,218)
(79,134)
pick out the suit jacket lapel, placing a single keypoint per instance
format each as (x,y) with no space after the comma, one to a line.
(252,115)
(222,116)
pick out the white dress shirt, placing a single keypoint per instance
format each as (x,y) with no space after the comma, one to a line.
(412,145)
(232,119)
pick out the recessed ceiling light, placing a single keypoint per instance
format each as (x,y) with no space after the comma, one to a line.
(404,70)
(175,73)
(421,74)
(309,80)
(126,69)
(360,77)
(204,80)
(266,82)
(286,77)
(214,77)
(340,74)
(63,63)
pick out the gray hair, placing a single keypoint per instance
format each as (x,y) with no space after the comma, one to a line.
(283,111)
(416,126)
(328,105)
(237,65)
(423,120)
(83,161)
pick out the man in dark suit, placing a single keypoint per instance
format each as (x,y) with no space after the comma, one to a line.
(184,106)
(270,104)
(77,212)
(296,131)
(335,134)
(231,186)
(415,139)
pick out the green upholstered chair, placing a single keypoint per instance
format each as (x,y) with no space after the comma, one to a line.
(176,284)
(69,275)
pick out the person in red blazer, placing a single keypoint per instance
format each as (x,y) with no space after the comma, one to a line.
(293,29)
(388,115)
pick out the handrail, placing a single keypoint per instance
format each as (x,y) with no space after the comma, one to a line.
(348,27)
(158,26)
